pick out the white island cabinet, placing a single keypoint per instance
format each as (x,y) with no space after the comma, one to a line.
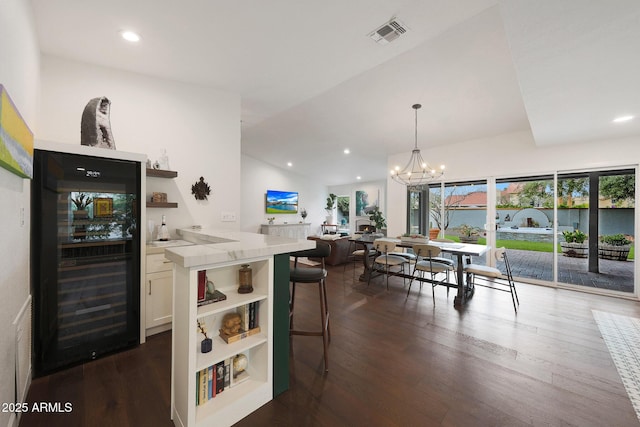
(221,254)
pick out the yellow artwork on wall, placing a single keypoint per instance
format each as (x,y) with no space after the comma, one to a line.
(16,139)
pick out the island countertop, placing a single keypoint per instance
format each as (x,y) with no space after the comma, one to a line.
(213,246)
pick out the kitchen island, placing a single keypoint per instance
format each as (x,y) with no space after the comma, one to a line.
(218,255)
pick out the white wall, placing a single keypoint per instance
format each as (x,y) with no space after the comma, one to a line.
(258,177)
(199,127)
(510,155)
(19,73)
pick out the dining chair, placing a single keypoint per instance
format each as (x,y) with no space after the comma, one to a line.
(493,278)
(428,263)
(298,275)
(445,260)
(388,259)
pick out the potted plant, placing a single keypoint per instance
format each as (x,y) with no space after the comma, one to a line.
(614,247)
(574,245)
(468,233)
(378,219)
(331,205)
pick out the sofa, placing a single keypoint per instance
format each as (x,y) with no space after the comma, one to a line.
(340,248)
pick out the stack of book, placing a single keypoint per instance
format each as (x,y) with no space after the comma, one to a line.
(212,381)
(215,379)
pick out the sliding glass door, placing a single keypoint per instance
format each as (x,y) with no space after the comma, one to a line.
(574,229)
(524,224)
(596,214)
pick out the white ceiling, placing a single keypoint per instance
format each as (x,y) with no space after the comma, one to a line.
(312,83)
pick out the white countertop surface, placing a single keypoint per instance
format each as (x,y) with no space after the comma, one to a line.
(158,246)
(213,246)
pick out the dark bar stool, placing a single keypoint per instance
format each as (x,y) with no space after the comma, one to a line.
(300,274)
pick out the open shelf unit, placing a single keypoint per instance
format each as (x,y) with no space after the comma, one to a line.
(239,400)
(161,173)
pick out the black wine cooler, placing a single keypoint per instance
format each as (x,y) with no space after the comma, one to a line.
(85,258)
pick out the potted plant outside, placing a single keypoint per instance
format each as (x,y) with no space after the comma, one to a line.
(614,247)
(433,232)
(468,233)
(574,245)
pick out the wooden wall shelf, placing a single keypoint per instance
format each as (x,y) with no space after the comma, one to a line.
(162,205)
(160,173)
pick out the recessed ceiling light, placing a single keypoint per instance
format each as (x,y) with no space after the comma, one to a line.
(358,177)
(622,119)
(130,36)
(289,164)
(347,151)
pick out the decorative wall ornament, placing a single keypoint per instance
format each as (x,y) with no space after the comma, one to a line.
(95,128)
(16,139)
(200,189)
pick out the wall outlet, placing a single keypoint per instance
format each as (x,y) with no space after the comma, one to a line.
(228,216)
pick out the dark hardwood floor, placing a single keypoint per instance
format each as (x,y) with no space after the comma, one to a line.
(394,362)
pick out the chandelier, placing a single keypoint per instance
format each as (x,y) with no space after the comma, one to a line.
(417,172)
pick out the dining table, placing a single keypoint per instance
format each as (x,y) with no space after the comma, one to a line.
(462,252)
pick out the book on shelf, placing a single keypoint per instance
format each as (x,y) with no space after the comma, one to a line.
(240,335)
(211,392)
(257,312)
(203,386)
(202,285)
(219,368)
(243,311)
(211,298)
(227,372)
(252,314)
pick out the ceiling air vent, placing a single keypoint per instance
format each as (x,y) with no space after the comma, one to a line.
(389,32)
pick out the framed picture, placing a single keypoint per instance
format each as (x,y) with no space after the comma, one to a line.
(16,139)
(285,202)
(102,207)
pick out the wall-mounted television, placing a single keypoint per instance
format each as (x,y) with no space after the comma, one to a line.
(285,202)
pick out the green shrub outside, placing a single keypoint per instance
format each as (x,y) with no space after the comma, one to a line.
(526,245)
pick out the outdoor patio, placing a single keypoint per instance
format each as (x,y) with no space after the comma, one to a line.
(614,275)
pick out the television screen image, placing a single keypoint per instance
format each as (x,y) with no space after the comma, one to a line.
(282,202)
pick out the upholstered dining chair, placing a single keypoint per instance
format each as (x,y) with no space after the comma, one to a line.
(387,259)
(428,262)
(491,277)
(443,259)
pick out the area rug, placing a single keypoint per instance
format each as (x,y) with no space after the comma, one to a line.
(622,336)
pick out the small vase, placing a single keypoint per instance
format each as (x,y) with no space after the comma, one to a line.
(206,345)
